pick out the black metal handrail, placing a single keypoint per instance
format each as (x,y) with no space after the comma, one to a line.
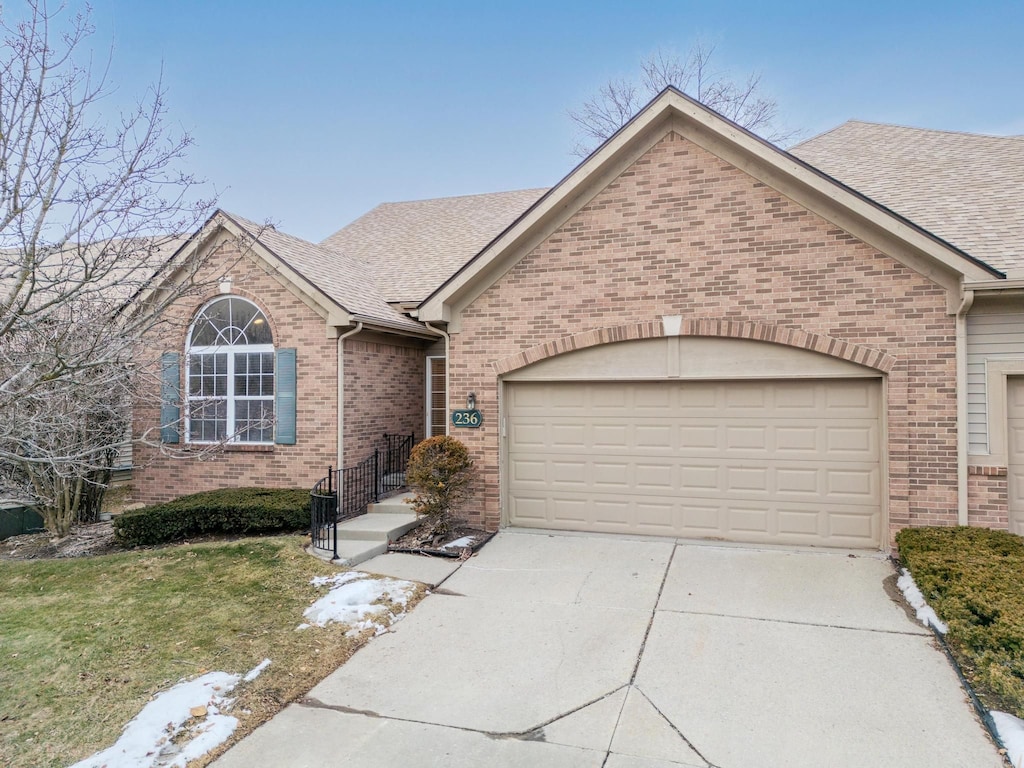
(346,492)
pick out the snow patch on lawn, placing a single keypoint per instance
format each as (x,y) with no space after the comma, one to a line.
(336,579)
(166,734)
(355,599)
(913,595)
(147,740)
(1011,733)
(255,671)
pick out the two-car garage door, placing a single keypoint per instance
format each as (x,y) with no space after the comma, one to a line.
(773,461)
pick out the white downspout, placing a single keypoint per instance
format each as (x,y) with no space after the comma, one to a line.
(341,393)
(447,368)
(961,407)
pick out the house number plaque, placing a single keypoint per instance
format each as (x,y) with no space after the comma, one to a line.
(467,418)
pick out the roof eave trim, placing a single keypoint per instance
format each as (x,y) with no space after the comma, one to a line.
(672,110)
(995,286)
(418,331)
(329,309)
(433,308)
(171,268)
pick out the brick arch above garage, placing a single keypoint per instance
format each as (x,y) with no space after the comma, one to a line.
(839,349)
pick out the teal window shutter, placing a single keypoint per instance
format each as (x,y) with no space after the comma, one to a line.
(284,405)
(170,411)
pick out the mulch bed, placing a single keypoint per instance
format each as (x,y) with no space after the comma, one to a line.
(83,541)
(425,540)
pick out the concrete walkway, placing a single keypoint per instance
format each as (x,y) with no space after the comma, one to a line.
(586,651)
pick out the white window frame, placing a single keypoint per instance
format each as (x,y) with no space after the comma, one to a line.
(231,351)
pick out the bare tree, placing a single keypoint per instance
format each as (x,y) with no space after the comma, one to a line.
(89,212)
(619,100)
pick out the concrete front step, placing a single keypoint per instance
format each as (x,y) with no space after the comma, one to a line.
(393,505)
(367,536)
(377,526)
(352,552)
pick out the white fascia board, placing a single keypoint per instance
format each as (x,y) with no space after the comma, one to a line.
(376,324)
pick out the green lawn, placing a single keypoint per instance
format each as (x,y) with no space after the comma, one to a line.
(85,642)
(974,579)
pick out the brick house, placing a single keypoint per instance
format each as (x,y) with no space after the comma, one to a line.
(693,334)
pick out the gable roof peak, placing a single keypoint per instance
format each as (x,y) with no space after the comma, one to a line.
(673,112)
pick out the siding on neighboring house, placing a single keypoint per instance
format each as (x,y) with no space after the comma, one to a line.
(991,335)
(994,332)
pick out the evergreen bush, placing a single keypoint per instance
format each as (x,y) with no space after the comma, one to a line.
(228,510)
(974,579)
(441,473)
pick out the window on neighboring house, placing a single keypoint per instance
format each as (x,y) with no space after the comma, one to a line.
(230,374)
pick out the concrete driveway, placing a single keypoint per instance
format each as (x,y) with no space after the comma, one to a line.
(587,651)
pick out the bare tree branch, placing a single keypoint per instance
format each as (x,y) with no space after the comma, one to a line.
(619,100)
(89,213)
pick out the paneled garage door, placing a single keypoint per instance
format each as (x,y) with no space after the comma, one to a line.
(781,461)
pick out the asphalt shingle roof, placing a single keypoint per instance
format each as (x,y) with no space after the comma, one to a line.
(343,279)
(966,188)
(415,246)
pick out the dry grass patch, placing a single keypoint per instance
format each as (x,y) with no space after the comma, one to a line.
(86,642)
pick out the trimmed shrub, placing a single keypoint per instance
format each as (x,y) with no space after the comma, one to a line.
(974,579)
(440,471)
(229,510)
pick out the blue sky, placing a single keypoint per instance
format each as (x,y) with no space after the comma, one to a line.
(311,113)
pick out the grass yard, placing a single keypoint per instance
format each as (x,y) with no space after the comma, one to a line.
(974,580)
(85,642)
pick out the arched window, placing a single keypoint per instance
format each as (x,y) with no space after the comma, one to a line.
(230,379)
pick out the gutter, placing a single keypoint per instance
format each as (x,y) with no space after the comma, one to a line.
(341,393)
(995,286)
(961,406)
(385,325)
(447,372)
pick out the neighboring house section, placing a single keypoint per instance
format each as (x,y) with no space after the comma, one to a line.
(693,334)
(995,336)
(251,390)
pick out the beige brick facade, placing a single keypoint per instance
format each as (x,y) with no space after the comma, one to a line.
(987,497)
(385,385)
(681,232)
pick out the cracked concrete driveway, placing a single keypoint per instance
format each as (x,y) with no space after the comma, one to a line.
(588,651)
